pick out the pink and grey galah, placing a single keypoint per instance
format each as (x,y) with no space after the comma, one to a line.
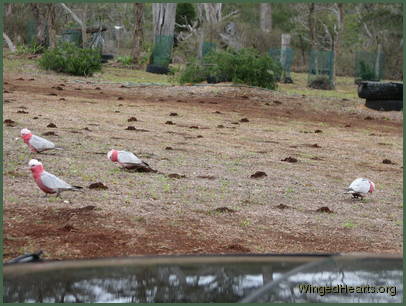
(35,143)
(129,161)
(360,187)
(48,182)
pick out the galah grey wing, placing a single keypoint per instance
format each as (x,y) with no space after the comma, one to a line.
(125,157)
(130,161)
(41,144)
(360,185)
(53,182)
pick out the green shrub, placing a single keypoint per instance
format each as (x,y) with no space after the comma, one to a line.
(367,72)
(320,81)
(125,60)
(244,66)
(70,59)
(34,48)
(194,73)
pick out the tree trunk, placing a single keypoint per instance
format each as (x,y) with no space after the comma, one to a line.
(284,58)
(9,43)
(84,32)
(312,25)
(265,18)
(40,19)
(51,21)
(163,15)
(138,32)
(378,63)
(336,40)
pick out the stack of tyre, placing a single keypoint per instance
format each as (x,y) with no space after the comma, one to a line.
(382,96)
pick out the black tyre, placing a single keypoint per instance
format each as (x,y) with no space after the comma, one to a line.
(385,105)
(106,57)
(157,69)
(380,91)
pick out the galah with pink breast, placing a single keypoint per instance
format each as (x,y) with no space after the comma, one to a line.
(48,182)
(129,161)
(360,187)
(35,143)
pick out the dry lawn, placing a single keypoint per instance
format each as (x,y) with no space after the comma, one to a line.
(216,207)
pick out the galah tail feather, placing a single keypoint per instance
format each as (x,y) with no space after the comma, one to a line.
(48,182)
(129,161)
(360,187)
(35,143)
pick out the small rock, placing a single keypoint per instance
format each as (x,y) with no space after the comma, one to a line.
(87,129)
(199,136)
(324,209)
(51,125)
(282,206)
(22,112)
(224,210)
(289,160)
(388,161)
(217,112)
(169,122)
(97,88)
(9,122)
(130,128)
(49,134)
(173,114)
(120,98)
(62,99)
(220,126)
(35,118)
(168,148)
(123,86)
(318,131)
(175,175)
(315,145)
(58,87)
(235,122)
(348,125)
(117,111)
(98,185)
(193,127)
(20,79)
(277,102)
(132,119)
(209,177)
(244,120)
(78,88)
(258,174)
(52,94)
(266,103)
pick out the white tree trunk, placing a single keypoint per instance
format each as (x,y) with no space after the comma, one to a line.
(378,62)
(9,43)
(163,15)
(265,17)
(285,42)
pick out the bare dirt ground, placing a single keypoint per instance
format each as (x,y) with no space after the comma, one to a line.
(217,139)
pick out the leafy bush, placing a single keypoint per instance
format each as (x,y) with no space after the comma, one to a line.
(244,66)
(321,81)
(70,59)
(367,72)
(125,60)
(34,48)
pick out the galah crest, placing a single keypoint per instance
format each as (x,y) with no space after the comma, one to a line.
(360,187)
(129,161)
(35,143)
(48,182)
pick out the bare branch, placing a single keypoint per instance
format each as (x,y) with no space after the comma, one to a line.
(74,16)
(9,43)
